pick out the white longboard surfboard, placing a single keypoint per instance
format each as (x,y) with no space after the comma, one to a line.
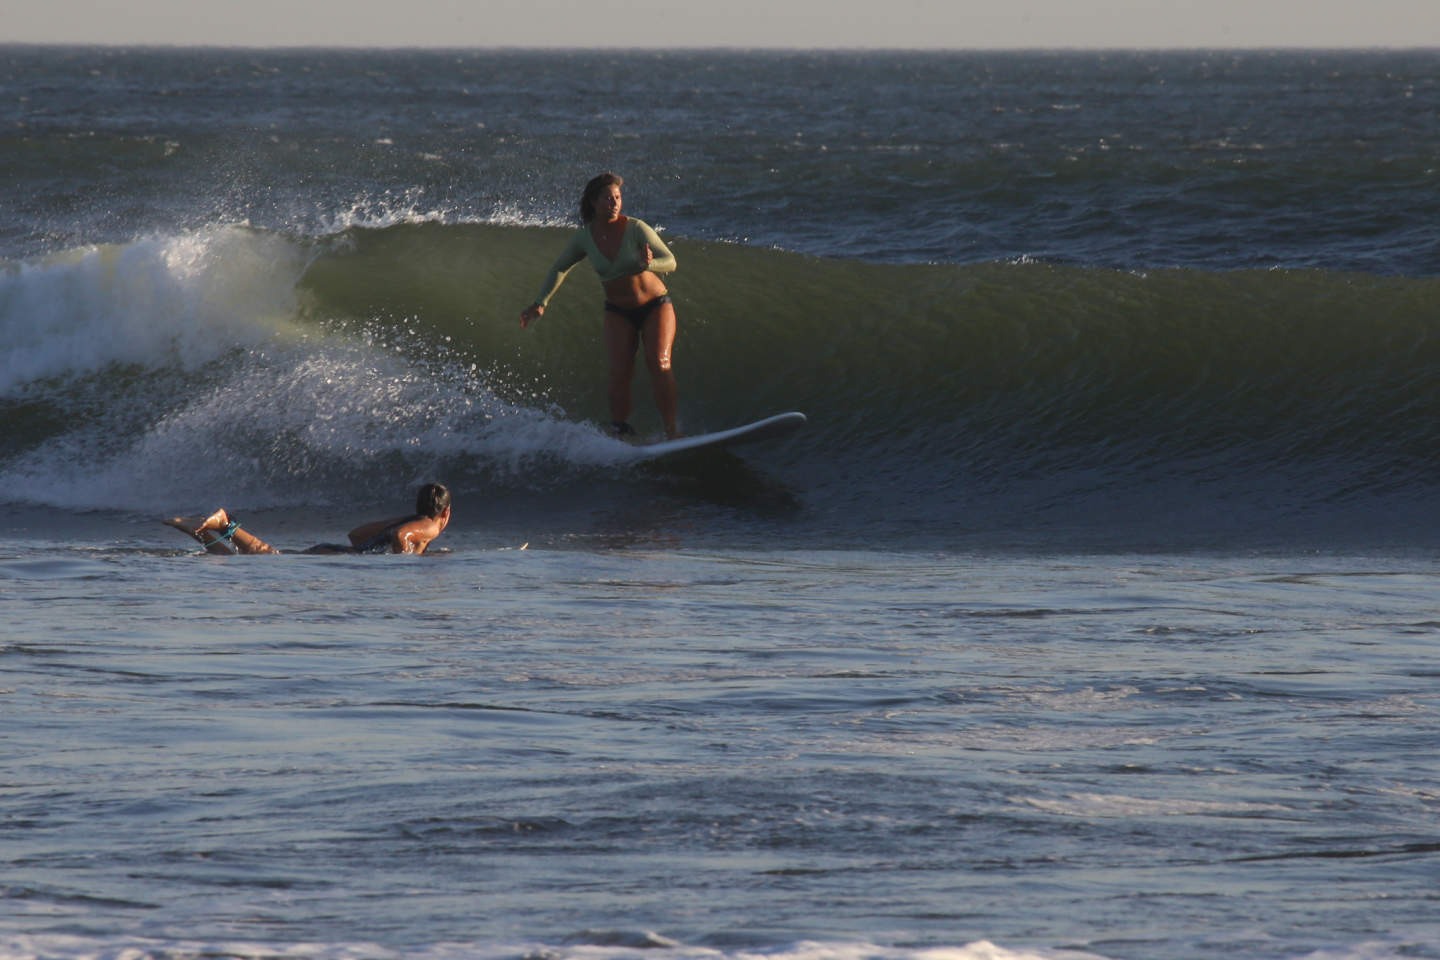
(769,428)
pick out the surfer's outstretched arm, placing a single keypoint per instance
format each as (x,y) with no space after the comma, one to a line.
(217,533)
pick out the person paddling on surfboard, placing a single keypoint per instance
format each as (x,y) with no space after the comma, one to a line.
(629,257)
(218,533)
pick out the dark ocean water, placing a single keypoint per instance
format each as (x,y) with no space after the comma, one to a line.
(1091,615)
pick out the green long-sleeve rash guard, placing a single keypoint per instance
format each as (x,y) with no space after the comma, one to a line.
(627,261)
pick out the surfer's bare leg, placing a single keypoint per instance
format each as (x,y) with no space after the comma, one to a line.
(203,532)
(659,343)
(621,341)
(211,533)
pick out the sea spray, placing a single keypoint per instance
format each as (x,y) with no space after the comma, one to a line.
(180,301)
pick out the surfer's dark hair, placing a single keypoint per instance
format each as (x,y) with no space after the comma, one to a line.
(432,500)
(592,193)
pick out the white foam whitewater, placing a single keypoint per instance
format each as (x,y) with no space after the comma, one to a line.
(184,363)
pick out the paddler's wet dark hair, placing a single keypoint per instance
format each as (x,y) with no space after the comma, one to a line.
(432,500)
(592,192)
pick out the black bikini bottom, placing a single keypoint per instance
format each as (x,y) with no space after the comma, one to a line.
(638,315)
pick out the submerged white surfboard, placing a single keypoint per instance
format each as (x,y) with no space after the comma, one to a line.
(770,427)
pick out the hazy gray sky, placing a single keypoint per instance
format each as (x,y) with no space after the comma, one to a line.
(957,24)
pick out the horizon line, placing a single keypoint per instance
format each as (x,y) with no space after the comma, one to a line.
(723,48)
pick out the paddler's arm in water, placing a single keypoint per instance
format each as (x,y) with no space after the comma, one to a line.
(366,531)
(415,536)
(407,534)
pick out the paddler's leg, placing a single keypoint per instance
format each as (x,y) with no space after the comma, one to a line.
(207,537)
(659,342)
(621,341)
(216,533)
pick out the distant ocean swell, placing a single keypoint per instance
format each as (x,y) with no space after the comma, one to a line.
(1203,159)
(271,366)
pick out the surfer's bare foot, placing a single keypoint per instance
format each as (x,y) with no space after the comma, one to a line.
(194,526)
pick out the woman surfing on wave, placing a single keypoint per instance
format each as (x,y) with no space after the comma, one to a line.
(629,257)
